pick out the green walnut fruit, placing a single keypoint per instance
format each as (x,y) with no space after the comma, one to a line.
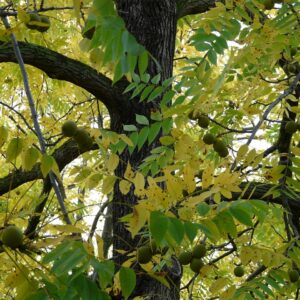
(12,237)
(220,148)
(83,139)
(293,275)
(199,251)
(44,24)
(34,20)
(144,254)
(239,271)
(268,4)
(203,121)
(196,265)
(69,128)
(291,127)
(185,257)
(208,138)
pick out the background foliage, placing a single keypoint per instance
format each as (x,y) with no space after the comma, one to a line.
(237,64)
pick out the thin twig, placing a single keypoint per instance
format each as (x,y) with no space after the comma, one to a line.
(34,117)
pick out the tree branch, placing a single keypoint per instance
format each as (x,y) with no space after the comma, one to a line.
(63,156)
(193,7)
(58,66)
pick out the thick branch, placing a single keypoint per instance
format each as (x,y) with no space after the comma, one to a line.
(193,7)
(58,66)
(63,156)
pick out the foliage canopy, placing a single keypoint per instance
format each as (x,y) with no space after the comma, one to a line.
(195,154)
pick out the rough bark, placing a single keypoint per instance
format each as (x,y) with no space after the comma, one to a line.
(153,23)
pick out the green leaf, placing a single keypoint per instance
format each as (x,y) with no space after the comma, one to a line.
(106,270)
(146,92)
(212,56)
(127,281)
(143,62)
(176,230)
(14,149)
(3,135)
(143,135)
(141,119)
(156,79)
(47,163)
(157,91)
(38,295)
(190,230)
(153,132)
(29,158)
(129,128)
(225,223)
(203,208)
(57,252)
(130,87)
(138,90)
(241,214)
(158,225)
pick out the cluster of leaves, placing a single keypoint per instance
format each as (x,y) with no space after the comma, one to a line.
(227,69)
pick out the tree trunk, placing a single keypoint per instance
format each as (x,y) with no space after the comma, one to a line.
(153,23)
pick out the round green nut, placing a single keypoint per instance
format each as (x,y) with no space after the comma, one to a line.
(185,257)
(12,236)
(220,148)
(34,20)
(292,68)
(69,128)
(196,265)
(83,139)
(239,271)
(144,254)
(208,138)
(203,121)
(291,127)
(199,251)
(293,275)
(44,24)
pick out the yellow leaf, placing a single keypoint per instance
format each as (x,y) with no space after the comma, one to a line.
(100,244)
(139,183)
(188,177)
(14,149)
(207,177)
(228,294)
(242,152)
(64,228)
(3,135)
(218,284)
(139,217)
(47,162)
(29,158)
(112,162)
(227,194)
(124,186)
(126,139)
(128,173)
(108,184)
(192,201)
(22,15)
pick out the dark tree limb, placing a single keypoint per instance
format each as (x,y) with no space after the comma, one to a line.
(193,7)
(58,66)
(63,156)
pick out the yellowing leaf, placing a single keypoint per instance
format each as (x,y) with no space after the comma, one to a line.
(22,15)
(228,294)
(3,135)
(14,149)
(93,180)
(100,244)
(108,184)
(207,177)
(29,158)
(128,173)
(139,217)
(242,152)
(126,139)
(47,162)
(218,284)
(192,201)
(124,186)
(139,183)
(112,162)
(64,228)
